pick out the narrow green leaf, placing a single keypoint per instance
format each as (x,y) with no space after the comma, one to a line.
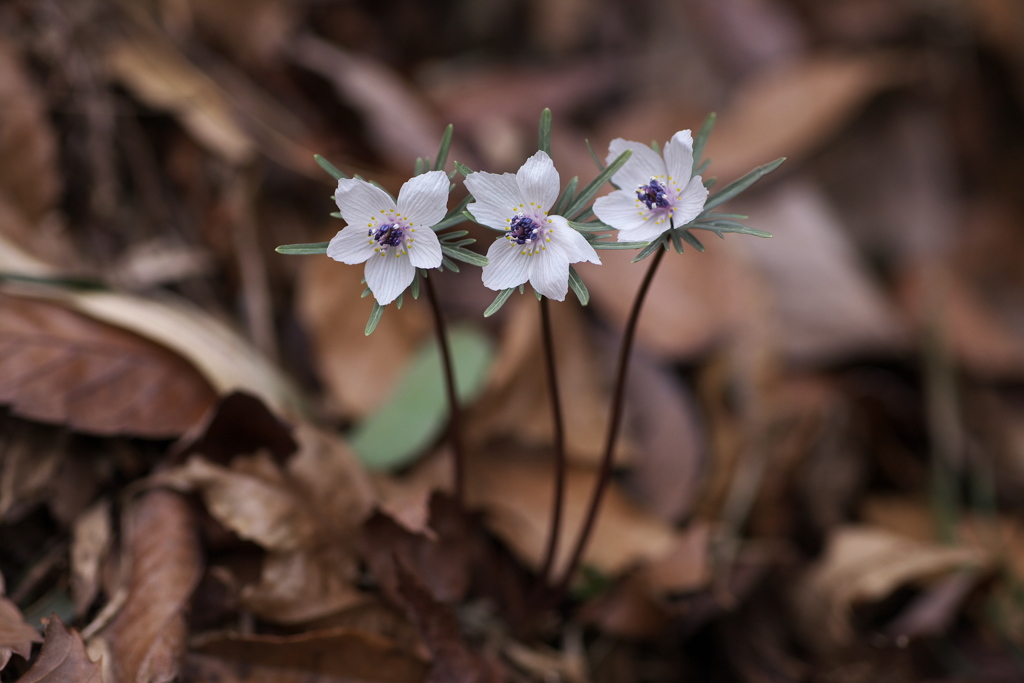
(375,315)
(703,167)
(691,239)
(592,226)
(499,301)
(677,243)
(738,186)
(739,229)
(454,234)
(465,255)
(303,249)
(336,214)
(449,264)
(591,189)
(418,169)
(618,245)
(593,155)
(446,143)
(576,282)
(416,411)
(544,132)
(463,169)
(399,300)
(649,249)
(567,194)
(655,147)
(701,141)
(415,288)
(329,167)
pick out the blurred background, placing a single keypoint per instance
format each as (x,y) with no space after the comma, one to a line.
(823,471)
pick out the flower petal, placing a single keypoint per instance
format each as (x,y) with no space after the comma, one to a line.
(621,210)
(691,202)
(679,158)
(647,232)
(549,272)
(425,249)
(538,181)
(387,276)
(639,169)
(423,200)
(574,245)
(351,245)
(360,202)
(497,198)
(508,266)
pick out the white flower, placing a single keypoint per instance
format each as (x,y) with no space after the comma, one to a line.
(536,247)
(656,194)
(393,240)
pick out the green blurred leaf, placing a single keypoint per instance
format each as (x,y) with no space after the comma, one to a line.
(329,167)
(303,249)
(544,132)
(591,189)
(738,186)
(416,411)
(446,143)
(576,282)
(499,301)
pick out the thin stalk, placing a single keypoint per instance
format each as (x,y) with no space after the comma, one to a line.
(560,459)
(614,422)
(454,429)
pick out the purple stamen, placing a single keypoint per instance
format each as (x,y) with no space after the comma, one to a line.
(653,195)
(523,229)
(387,234)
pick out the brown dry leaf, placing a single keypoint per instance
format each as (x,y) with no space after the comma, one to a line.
(63,659)
(695,301)
(359,371)
(30,457)
(519,380)
(793,109)
(147,64)
(516,495)
(825,302)
(92,537)
(344,653)
(398,120)
(227,361)
(866,563)
(59,366)
(256,32)
(16,637)
(146,640)
(934,296)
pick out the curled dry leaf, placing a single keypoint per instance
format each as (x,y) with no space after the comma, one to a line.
(92,536)
(60,366)
(864,564)
(340,653)
(147,638)
(63,658)
(30,457)
(16,637)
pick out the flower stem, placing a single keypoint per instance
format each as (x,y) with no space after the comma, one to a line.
(454,429)
(560,459)
(605,472)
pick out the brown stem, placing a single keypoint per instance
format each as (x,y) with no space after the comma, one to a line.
(560,459)
(454,430)
(604,475)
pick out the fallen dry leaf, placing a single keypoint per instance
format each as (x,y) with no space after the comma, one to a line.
(866,564)
(60,366)
(92,538)
(146,641)
(30,457)
(63,658)
(16,637)
(345,653)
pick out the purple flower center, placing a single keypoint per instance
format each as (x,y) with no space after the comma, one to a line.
(387,234)
(653,195)
(522,229)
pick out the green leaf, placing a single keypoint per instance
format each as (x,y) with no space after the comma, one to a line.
(329,167)
(738,186)
(449,264)
(703,167)
(465,255)
(499,301)
(576,282)
(593,155)
(446,143)
(375,315)
(649,249)
(677,244)
(618,245)
(701,141)
(336,214)
(416,411)
(415,287)
(591,189)
(567,194)
(463,169)
(592,226)
(418,168)
(691,239)
(544,132)
(303,249)
(721,227)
